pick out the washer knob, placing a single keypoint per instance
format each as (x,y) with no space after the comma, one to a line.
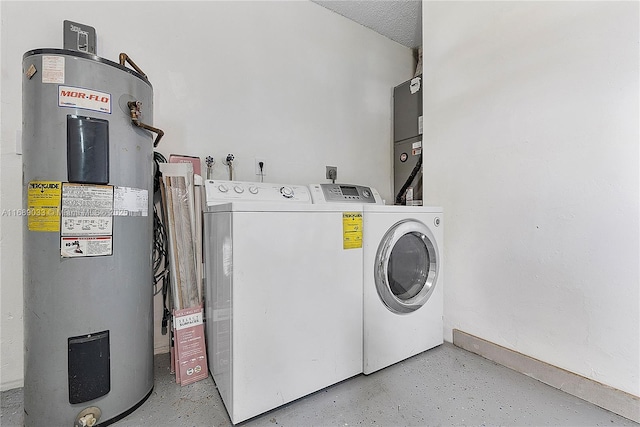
(366,193)
(286,192)
(223,188)
(238,189)
(253,190)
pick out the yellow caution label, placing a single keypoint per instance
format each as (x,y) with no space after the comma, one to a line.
(352,230)
(43,205)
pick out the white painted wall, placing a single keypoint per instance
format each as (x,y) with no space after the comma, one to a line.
(290,82)
(531,145)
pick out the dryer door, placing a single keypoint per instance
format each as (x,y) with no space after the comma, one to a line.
(406,266)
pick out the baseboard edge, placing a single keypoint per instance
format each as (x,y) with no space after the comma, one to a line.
(10,385)
(617,401)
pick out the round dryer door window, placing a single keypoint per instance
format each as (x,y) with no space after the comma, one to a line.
(406,266)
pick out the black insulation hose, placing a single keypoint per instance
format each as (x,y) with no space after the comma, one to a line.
(409,180)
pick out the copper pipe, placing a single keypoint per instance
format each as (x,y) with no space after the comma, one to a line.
(125,58)
(152,129)
(134,110)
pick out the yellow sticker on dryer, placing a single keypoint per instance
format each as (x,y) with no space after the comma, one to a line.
(351,230)
(43,205)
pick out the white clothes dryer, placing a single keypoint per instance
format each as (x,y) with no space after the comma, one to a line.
(283,295)
(403,283)
(402,275)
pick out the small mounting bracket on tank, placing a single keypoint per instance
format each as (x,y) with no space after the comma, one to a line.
(79,37)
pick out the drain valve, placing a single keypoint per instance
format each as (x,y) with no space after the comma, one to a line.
(88,417)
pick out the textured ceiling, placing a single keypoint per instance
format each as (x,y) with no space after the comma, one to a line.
(400,21)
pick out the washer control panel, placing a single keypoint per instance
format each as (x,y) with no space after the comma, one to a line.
(219,191)
(344,193)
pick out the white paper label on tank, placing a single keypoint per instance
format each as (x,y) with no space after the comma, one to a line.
(86,210)
(87,99)
(83,246)
(129,201)
(53,69)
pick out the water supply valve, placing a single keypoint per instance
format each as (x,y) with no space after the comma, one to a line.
(210,162)
(229,162)
(135,108)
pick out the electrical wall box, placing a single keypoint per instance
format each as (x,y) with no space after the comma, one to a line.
(79,37)
(332,172)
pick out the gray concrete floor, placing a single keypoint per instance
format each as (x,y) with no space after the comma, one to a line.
(445,386)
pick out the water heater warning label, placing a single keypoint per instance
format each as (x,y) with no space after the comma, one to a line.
(43,205)
(87,220)
(87,209)
(80,246)
(352,230)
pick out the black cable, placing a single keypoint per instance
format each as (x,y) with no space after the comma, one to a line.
(160,254)
(160,259)
(157,159)
(407,184)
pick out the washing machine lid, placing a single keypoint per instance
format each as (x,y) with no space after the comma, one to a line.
(407,264)
(402,209)
(248,206)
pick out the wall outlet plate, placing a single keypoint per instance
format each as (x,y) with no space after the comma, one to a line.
(332,172)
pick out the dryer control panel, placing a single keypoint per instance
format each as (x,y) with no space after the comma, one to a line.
(219,191)
(344,193)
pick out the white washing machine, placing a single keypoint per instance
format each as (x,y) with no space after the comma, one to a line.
(403,283)
(283,294)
